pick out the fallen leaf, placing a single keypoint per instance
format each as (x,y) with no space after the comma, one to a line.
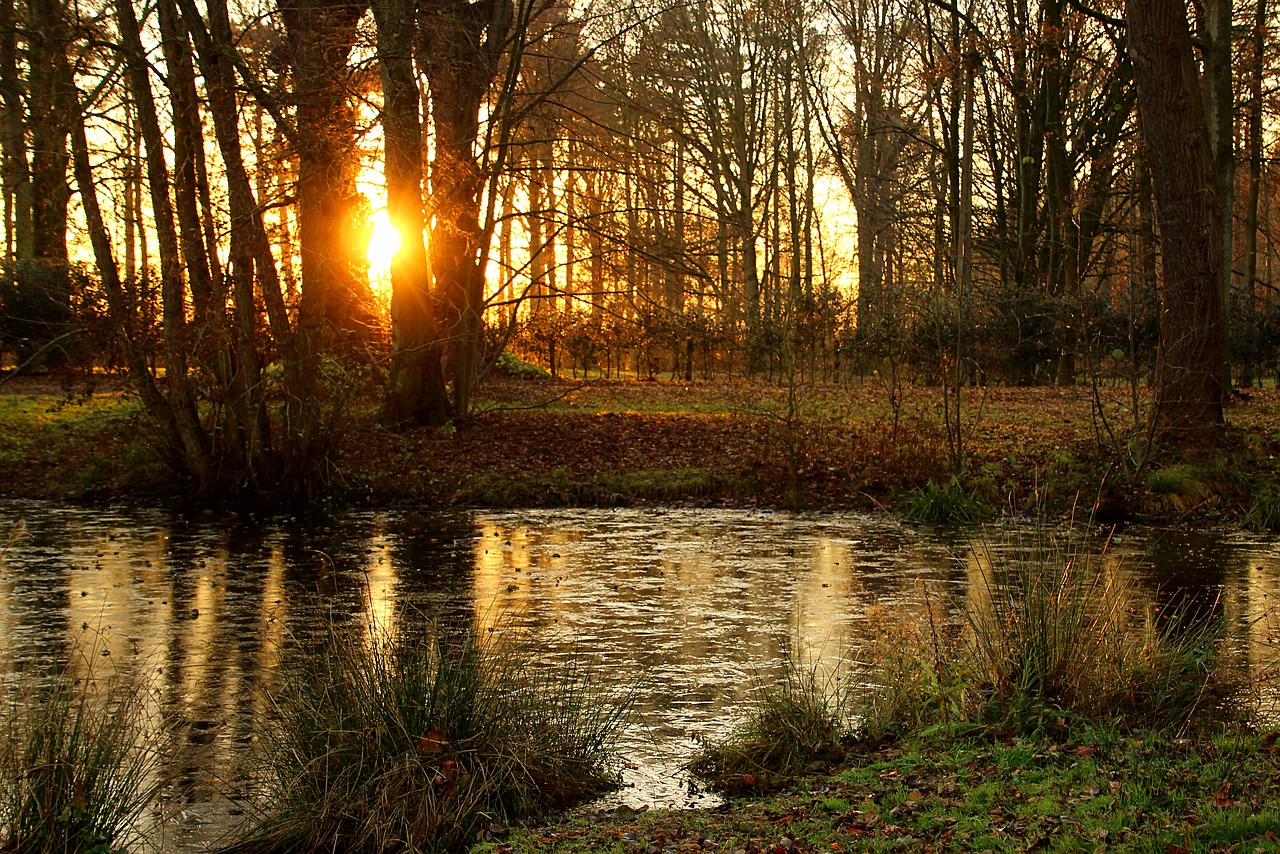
(432,742)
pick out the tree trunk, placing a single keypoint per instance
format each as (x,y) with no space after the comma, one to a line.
(1220,109)
(1250,296)
(417,394)
(52,103)
(335,286)
(195,443)
(19,232)
(1188,409)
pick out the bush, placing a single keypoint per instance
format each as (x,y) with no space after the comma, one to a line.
(76,772)
(414,742)
(513,366)
(786,727)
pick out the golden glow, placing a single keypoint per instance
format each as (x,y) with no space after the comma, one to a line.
(384,243)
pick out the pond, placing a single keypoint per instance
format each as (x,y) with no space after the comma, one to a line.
(693,606)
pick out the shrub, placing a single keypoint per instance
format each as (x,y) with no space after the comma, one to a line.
(513,366)
(76,772)
(413,742)
(947,504)
(786,727)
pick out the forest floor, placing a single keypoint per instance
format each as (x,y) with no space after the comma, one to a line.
(550,442)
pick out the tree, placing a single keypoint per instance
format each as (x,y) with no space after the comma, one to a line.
(438,319)
(1188,407)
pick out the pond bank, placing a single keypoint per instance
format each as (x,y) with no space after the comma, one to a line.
(1095,790)
(712,444)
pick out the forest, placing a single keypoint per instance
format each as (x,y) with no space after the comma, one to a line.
(259,211)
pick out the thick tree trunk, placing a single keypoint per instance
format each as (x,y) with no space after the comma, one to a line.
(1188,410)
(459,51)
(335,287)
(52,103)
(1220,110)
(417,394)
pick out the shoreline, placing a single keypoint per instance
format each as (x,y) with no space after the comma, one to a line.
(624,443)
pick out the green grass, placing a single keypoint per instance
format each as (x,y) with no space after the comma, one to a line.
(35,425)
(1264,509)
(80,763)
(1135,791)
(414,742)
(946,504)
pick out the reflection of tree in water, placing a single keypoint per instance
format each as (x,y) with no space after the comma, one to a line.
(1184,572)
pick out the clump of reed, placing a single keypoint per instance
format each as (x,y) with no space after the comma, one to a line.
(82,761)
(417,741)
(16,535)
(1047,635)
(1048,632)
(946,504)
(787,726)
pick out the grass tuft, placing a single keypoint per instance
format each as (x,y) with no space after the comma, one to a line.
(1052,634)
(415,742)
(77,775)
(787,727)
(16,536)
(946,504)
(1264,512)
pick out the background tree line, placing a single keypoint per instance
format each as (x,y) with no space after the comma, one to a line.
(957,193)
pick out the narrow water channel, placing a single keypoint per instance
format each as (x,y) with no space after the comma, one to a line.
(692,606)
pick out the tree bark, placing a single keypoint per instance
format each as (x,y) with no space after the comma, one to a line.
(417,394)
(51,106)
(335,287)
(17,172)
(194,440)
(1250,296)
(459,50)
(1188,409)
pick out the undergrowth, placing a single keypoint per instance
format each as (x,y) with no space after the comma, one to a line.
(511,365)
(412,742)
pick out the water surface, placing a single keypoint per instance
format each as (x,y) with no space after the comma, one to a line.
(692,606)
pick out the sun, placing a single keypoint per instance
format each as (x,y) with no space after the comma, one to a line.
(384,243)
